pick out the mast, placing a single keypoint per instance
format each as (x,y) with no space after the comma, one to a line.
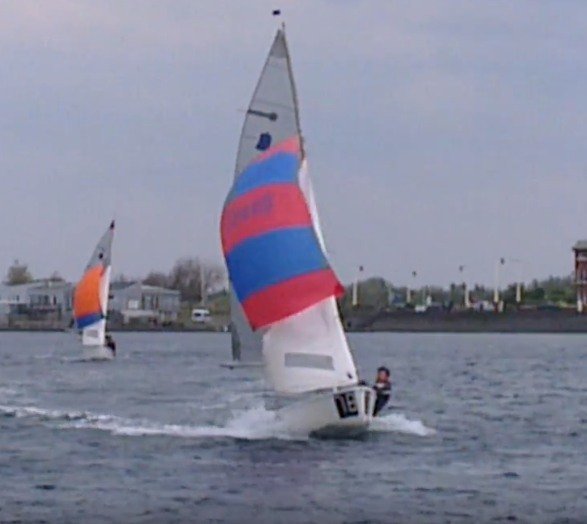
(293,90)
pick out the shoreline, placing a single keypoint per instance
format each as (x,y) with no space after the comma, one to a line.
(61,329)
(437,321)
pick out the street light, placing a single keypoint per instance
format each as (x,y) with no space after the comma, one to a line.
(408,290)
(519,279)
(355,296)
(466,300)
(500,262)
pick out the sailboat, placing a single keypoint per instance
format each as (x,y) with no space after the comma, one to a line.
(279,272)
(90,299)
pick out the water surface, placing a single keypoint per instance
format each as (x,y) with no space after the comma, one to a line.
(483,428)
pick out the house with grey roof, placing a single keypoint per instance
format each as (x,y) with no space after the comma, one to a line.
(135,302)
(47,301)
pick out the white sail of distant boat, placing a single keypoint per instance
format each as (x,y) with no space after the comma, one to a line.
(277,262)
(90,301)
(246,345)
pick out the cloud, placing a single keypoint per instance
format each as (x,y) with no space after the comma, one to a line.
(439,133)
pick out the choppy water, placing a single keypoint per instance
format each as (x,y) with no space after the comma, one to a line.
(484,428)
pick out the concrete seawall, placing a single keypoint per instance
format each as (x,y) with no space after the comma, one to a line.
(525,321)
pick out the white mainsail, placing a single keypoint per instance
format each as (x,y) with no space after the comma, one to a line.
(273,107)
(273,94)
(306,350)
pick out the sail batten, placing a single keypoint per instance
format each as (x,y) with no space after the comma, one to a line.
(282,284)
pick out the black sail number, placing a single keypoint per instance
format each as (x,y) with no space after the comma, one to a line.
(346,404)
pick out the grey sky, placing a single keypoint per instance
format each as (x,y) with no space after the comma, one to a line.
(439,133)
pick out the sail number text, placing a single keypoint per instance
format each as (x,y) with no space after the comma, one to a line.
(346,404)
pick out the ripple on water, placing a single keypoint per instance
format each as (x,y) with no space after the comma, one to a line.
(164,434)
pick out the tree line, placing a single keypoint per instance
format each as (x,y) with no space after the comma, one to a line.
(196,279)
(193,278)
(376,293)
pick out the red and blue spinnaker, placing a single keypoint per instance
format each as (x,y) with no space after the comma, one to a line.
(275,261)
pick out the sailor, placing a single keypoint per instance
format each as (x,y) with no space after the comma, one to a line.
(110,344)
(382,389)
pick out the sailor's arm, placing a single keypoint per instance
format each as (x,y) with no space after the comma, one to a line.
(383,388)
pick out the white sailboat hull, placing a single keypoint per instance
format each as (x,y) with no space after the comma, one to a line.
(342,413)
(96,353)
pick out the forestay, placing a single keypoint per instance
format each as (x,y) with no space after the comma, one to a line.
(90,301)
(271,117)
(274,248)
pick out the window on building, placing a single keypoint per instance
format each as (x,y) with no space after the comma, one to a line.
(132,303)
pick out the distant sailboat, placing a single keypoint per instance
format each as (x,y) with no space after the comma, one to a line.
(283,286)
(90,299)
(246,345)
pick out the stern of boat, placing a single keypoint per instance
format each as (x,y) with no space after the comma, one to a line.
(97,353)
(342,413)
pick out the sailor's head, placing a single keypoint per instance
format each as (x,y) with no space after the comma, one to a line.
(383,373)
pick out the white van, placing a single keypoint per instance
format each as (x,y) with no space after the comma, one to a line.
(200,315)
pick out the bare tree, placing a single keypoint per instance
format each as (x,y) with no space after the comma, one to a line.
(18,274)
(185,276)
(157,278)
(213,276)
(194,278)
(121,278)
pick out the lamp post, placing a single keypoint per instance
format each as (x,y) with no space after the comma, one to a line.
(390,294)
(466,300)
(496,299)
(355,294)
(408,289)
(519,279)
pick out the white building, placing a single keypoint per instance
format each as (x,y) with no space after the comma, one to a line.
(134,301)
(38,300)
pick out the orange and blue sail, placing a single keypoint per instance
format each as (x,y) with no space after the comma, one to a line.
(274,258)
(86,300)
(88,303)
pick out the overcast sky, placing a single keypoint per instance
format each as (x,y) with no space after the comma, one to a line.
(439,133)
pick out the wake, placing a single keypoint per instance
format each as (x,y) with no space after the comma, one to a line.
(81,360)
(252,424)
(255,423)
(399,423)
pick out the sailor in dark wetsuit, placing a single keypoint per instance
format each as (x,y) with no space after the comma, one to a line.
(110,344)
(382,389)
